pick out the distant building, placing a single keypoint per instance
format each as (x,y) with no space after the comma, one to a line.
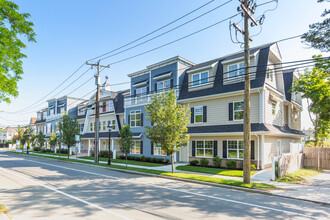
(7,134)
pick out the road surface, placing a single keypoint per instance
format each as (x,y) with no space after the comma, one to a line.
(40,188)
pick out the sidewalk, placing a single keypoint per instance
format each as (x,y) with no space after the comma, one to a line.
(316,189)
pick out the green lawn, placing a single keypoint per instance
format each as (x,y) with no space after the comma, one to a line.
(57,154)
(178,175)
(210,170)
(131,162)
(299,176)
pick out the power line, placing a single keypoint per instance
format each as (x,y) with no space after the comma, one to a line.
(158,29)
(181,25)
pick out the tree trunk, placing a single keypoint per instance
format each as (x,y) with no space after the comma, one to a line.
(172,160)
(126,159)
(316,133)
(68,152)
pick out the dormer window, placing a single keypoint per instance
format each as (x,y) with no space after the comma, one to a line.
(142,90)
(200,78)
(270,73)
(163,85)
(236,69)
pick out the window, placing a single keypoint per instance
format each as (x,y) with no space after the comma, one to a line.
(198,114)
(238,110)
(44,115)
(49,128)
(111,105)
(39,116)
(163,85)
(235,149)
(158,150)
(81,127)
(62,109)
(142,90)
(135,149)
(236,69)
(270,73)
(139,94)
(200,78)
(113,124)
(135,119)
(273,108)
(91,126)
(104,126)
(204,148)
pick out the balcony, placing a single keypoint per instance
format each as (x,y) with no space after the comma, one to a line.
(141,99)
(54,117)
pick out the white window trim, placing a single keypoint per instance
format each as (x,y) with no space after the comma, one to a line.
(234,111)
(237,70)
(134,146)
(195,115)
(204,148)
(200,79)
(130,113)
(237,140)
(163,89)
(156,146)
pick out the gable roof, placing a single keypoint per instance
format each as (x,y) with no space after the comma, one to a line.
(288,80)
(218,86)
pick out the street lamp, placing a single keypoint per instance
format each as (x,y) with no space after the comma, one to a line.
(109,129)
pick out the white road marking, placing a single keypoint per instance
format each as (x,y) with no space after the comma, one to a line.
(177,190)
(67,195)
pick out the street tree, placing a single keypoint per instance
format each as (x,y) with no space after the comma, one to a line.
(318,35)
(33,139)
(41,139)
(14,26)
(53,140)
(126,140)
(315,87)
(20,132)
(169,123)
(28,134)
(68,128)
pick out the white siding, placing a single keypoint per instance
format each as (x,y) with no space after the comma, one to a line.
(269,117)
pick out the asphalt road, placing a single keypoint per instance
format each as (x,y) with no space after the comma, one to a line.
(39,188)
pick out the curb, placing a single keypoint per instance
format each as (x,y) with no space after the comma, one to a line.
(219,185)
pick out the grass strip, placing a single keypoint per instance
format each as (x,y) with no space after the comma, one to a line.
(178,175)
(210,170)
(131,162)
(299,176)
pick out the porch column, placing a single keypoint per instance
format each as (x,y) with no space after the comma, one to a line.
(262,151)
(258,150)
(79,145)
(89,147)
(188,151)
(99,145)
(113,148)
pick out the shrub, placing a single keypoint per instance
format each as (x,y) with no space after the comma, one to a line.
(104,153)
(204,162)
(143,158)
(64,151)
(36,149)
(46,150)
(137,158)
(217,161)
(231,164)
(276,169)
(253,167)
(121,157)
(154,160)
(193,162)
(148,159)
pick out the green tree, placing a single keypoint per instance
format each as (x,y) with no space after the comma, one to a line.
(41,139)
(21,138)
(33,139)
(13,25)
(126,139)
(68,128)
(28,135)
(169,121)
(315,87)
(53,140)
(318,35)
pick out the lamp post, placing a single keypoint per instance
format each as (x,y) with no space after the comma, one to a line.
(109,129)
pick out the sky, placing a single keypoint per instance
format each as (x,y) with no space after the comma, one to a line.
(71,32)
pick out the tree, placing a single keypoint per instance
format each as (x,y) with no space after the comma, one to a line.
(318,35)
(28,134)
(315,87)
(169,121)
(53,140)
(125,141)
(33,139)
(13,25)
(41,139)
(68,128)
(21,138)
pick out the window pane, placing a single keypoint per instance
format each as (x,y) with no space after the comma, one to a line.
(239,106)
(198,118)
(232,69)
(204,77)
(198,110)
(200,152)
(138,116)
(241,71)
(200,144)
(208,152)
(132,123)
(241,144)
(195,79)
(239,115)
(232,144)
(138,123)
(209,144)
(232,153)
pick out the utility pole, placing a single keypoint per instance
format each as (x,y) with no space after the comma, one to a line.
(97,109)
(245,6)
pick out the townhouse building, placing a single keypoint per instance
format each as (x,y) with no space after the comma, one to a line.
(214,91)
(7,134)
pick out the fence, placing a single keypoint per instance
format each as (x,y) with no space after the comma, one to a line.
(317,157)
(288,163)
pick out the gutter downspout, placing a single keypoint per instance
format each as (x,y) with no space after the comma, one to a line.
(258,161)
(262,152)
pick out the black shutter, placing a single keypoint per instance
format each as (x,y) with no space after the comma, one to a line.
(171,83)
(134,92)
(141,119)
(252,150)
(224,149)
(215,148)
(152,148)
(141,147)
(204,114)
(147,89)
(230,111)
(192,115)
(193,153)
(155,87)
(118,122)
(129,120)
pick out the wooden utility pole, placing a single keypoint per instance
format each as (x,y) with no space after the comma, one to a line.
(97,110)
(245,6)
